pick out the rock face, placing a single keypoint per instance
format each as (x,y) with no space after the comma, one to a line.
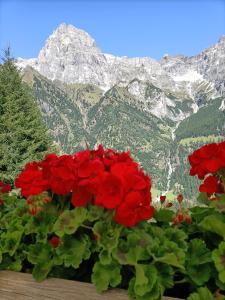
(160,110)
(70,55)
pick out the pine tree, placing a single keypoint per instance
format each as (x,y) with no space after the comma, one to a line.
(23,136)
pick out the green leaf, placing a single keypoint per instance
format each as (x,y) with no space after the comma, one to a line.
(198,262)
(104,276)
(109,233)
(105,257)
(39,253)
(178,236)
(10,241)
(154,294)
(165,274)
(198,259)
(73,251)
(214,223)
(218,256)
(203,198)
(198,253)
(70,220)
(163,215)
(11,263)
(95,212)
(134,249)
(203,293)
(170,254)
(146,277)
(41,271)
(199,213)
(199,274)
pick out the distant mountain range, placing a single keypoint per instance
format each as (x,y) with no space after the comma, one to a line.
(160,110)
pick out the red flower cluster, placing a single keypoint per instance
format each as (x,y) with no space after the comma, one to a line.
(208,159)
(208,163)
(106,178)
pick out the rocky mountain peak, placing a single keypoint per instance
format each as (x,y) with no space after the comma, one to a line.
(69,35)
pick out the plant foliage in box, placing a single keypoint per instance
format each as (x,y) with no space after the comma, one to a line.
(89,217)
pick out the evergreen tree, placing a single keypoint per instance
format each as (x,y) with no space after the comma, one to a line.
(23,136)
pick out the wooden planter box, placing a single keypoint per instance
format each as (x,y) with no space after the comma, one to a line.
(21,286)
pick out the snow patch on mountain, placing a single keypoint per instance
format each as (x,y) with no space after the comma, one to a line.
(190,76)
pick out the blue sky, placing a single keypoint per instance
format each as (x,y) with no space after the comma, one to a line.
(129,27)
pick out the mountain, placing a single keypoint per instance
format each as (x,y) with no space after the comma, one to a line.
(160,110)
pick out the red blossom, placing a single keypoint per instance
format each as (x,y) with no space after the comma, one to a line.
(133,209)
(81,196)
(207,159)
(61,173)
(211,185)
(31,181)
(106,178)
(110,192)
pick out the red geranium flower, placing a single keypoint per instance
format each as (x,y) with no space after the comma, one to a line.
(81,196)
(211,185)
(31,180)
(110,192)
(206,160)
(61,173)
(133,210)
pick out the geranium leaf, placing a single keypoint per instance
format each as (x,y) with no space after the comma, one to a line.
(104,276)
(73,251)
(105,257)
(218,256)
(165,275)
(177,236)
(163,215)
(95,212)
(41,270)
(214,223)
(39,253)
(10,241)
(154,294)
(198,253)
(145,279)
(108,233)
(198,259)
(203,293)
(169,253)
(199,274)
(69,221)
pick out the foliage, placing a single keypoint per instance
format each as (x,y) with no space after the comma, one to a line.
(22,134)
(178,249)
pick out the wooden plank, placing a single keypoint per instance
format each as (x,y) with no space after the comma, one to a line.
(21,286)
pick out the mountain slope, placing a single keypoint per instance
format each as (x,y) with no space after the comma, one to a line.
(160,110)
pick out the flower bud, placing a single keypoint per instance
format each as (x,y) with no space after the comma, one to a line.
(180,198)
(188,220)
(162,199)
(180,217)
